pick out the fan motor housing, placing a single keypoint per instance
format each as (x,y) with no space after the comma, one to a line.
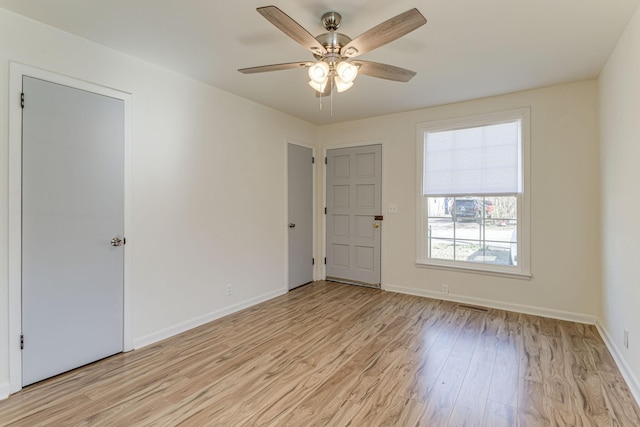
(333,41)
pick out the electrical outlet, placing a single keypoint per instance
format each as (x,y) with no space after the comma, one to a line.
(229,289)
(445,289)
(626,338)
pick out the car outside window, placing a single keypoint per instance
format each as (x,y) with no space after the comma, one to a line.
(479,229)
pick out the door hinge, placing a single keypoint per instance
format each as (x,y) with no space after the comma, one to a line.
(325,260)
(313,261)
(21,341)
(325,211)
(325,160)
(22,100)
(313,160)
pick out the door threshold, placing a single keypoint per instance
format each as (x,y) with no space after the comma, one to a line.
(353,282)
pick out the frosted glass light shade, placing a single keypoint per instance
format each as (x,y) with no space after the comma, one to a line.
(319,86)
(341,85)
(347,71)
(319,72)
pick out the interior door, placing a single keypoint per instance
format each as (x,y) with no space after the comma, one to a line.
(300,207)
(354,181)
(72,208)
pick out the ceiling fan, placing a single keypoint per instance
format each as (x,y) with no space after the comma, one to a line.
(335,52)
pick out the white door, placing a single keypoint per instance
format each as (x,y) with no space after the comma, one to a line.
(72,208)
(353,207)
(300,201)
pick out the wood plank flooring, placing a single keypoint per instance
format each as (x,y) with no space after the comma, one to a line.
(338,355)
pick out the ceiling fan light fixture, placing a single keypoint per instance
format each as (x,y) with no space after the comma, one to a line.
(341,85)
(319,72)
(347,71)
(333,51)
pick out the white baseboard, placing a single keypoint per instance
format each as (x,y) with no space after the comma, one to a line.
(5,390)
(501,305)
(201,320)
(627,373)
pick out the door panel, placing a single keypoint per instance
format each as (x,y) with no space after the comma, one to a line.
(72,206)
(353,200)
(300,213)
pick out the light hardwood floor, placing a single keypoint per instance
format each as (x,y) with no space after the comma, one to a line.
(333,354)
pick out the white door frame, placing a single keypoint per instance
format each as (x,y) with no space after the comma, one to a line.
(16,72)
(285,224)
(381,143)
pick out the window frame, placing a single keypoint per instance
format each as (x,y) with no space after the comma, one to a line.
(523,226)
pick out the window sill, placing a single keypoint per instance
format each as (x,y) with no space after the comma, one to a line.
(475,270)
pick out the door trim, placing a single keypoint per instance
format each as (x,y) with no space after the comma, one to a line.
(16,72)
(286,210)
(381,143)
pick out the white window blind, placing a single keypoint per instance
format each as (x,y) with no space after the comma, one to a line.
(475,160)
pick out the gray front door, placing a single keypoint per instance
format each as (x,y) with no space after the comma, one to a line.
(300,199)
(72,208)
(354,181)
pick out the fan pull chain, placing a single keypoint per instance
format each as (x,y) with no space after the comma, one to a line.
(331,95)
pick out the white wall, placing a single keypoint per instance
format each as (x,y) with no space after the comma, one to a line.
(208,183)
(620,157)
(564,219)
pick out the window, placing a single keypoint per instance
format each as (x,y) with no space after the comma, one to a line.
(473,196)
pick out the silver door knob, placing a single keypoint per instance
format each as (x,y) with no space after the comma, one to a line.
(292,225)
(116,241)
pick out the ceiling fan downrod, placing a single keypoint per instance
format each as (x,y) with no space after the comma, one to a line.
(332,41)
(331,21)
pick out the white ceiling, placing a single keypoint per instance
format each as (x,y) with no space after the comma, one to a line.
(468,48)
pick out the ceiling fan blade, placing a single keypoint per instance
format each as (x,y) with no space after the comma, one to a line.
(384,33)
(276,67)
(383,71)
(291,28)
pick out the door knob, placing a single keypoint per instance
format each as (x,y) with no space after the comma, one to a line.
(116,241)
(292,225)
(376,225)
